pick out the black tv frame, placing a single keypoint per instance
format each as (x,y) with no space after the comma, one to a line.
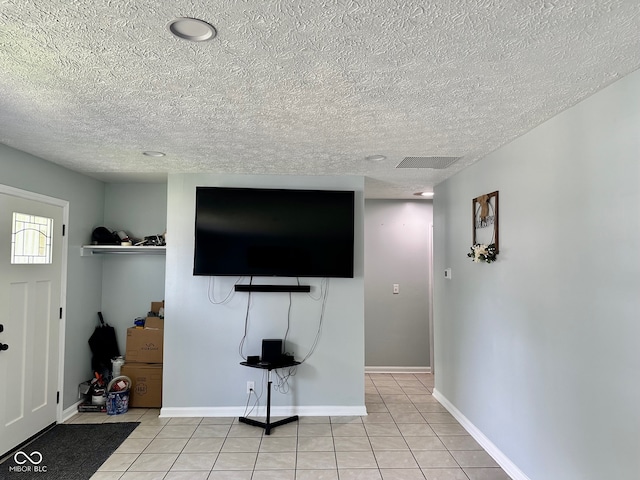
(334,197)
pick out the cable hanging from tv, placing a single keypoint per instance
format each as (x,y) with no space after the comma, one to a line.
(324,291)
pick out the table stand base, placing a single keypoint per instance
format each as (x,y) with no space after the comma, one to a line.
(268,425)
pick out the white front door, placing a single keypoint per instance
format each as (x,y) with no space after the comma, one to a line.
(30,302)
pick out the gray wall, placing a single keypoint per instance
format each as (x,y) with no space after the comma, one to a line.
(202,369)
(131,282)
(397,237)
(539,350)
(84,274)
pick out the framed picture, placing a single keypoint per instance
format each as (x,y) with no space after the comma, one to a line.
(485,220)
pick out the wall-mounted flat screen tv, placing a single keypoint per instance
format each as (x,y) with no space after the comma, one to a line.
(273,232)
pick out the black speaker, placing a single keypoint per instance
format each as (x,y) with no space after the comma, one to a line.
(253,359)
(271,350)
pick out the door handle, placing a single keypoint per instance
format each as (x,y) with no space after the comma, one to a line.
(3,346)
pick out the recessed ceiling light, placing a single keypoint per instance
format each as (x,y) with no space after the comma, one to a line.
(192,29)
(424,194)
(151,153)
(375,158)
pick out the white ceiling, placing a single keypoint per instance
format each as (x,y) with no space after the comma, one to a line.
(293,87)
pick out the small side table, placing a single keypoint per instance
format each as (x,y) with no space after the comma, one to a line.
(268,425)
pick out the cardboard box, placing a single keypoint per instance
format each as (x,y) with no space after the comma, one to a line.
(154,323)
(156,306)
(144,345)
(146,384)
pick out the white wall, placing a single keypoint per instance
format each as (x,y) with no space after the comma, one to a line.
(202,374)
(397,238)
(84,274)
(539,351)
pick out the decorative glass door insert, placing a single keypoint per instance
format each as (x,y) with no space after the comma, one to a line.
(31,239)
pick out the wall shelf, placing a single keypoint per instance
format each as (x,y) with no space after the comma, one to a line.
(89,250)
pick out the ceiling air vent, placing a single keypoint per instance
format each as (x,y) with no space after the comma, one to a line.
(427,162)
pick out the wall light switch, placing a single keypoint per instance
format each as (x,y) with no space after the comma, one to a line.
(447,274)
(396,288)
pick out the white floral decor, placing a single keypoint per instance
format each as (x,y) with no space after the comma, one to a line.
(483,253)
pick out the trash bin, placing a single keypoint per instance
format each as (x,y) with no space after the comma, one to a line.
(118,395)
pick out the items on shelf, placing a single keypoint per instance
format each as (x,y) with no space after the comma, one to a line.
(105,236)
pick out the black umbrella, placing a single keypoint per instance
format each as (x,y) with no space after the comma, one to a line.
(104,346)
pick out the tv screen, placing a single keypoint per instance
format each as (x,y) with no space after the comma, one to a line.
(273,232)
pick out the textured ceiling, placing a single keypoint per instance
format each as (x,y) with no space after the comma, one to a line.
(299,87)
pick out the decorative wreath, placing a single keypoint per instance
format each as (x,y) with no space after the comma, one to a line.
(483,253)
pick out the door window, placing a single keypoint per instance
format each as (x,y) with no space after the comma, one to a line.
(31,239)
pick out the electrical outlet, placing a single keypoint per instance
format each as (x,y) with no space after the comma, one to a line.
(251,386)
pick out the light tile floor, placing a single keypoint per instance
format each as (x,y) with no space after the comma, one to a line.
(407,435)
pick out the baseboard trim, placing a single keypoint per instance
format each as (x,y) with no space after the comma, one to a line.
(306,411)
(507,465)
(69,412)
(397,369)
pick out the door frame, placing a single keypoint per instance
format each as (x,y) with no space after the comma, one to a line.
(28,195)
(430,296)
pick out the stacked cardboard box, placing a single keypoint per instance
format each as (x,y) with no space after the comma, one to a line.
(143,361)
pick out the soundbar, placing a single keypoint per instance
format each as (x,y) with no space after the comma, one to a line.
(273,288)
